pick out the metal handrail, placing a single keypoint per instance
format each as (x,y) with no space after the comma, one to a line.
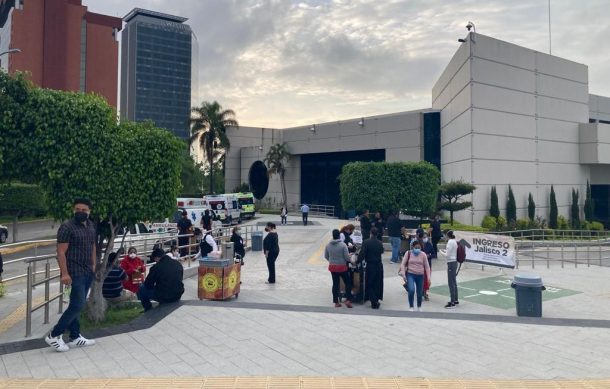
(316,209)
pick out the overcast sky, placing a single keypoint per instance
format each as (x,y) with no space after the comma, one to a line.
(286,63)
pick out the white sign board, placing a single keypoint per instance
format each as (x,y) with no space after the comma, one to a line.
(486,249)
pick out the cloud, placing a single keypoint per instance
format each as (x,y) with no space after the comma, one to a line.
(282,63)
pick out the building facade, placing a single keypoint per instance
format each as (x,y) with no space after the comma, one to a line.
(501,115)
(63,46)
(156,63)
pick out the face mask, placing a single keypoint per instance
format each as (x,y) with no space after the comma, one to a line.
(132,255)
(80,217)
(416,251)
(425,240)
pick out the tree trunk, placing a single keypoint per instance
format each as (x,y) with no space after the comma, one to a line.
(96,306)
(284,194)
(15,227)
(451,217)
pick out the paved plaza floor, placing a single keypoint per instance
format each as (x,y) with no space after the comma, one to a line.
(291,330)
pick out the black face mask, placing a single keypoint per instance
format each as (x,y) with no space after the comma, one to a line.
(81,217)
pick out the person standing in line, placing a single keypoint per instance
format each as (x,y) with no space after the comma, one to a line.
(185,227)
(206,220)
(305,212)
(345,234)
(271,248)
(365,224)
(164,281)
(238,244)
(379,224)
(428,249)
(337,255)
(77,257)
(415,268)
(394,233)
(135,269)
(435,232)
(207,245)
(284,215)
(451,254)
(371,252)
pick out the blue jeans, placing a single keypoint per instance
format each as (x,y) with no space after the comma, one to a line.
(78,299)
(146,294)
(395,241)
(415,281)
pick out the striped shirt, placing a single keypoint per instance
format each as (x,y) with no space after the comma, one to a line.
(113,285)
(80,238)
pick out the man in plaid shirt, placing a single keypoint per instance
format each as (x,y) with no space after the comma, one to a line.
(76,255)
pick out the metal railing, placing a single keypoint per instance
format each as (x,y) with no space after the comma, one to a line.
(31,284)
(316,210)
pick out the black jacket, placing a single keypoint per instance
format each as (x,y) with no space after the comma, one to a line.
(166,279)
(238,244)
(394,227)
(271,243)
(371,251)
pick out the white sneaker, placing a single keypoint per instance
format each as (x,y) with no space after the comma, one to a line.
(419,309)
(81,341)
(57,343)
(411,309)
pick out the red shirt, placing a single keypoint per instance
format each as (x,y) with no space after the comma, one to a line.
(131,266)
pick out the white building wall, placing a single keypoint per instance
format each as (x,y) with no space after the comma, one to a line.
(518,124)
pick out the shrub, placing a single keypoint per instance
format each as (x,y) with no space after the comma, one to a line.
(553,220)
(489,222)
(523,224)
(511,207)
(574,210)
(531,207)
(596,226)
(494,209)
(501,222)
(562,223)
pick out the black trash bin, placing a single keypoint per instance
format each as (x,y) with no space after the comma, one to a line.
(528,294)
(257,241)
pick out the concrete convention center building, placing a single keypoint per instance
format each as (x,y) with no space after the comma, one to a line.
(501,114)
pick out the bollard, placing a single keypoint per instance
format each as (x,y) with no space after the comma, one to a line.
(28,314)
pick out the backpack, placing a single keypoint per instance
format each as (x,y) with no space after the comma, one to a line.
(461,253)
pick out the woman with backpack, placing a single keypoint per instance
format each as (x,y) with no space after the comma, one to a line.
(451,255)
(414,268)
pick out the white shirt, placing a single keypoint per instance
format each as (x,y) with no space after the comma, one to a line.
(451,252)
(211,241)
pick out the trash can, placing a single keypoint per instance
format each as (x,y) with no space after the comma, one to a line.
(228,252)
(528,294)
(257,241)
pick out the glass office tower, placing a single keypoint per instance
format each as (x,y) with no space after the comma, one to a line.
(156,63)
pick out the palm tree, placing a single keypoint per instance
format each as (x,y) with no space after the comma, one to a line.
(209,126)
(276,159)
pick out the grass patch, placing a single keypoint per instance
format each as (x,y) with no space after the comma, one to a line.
(457,226)
(114,316)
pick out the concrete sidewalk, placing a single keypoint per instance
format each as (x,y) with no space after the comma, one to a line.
(292,329)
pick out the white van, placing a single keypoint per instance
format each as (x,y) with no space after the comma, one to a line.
(144,238)
(225,206)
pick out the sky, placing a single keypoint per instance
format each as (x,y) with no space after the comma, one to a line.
(287,63)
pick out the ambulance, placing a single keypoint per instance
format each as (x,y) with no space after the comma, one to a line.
(225,206)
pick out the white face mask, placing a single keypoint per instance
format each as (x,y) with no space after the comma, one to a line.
(132,255)
(425,240)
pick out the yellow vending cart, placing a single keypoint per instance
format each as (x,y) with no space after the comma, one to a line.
(219,279)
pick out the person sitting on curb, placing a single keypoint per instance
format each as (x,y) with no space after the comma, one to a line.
(164,281)
(112,289)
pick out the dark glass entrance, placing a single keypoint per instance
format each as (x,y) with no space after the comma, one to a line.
(320,172)
(601,202)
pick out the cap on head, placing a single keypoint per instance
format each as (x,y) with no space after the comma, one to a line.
(184,213)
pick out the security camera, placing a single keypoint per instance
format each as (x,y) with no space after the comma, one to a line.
(470,26)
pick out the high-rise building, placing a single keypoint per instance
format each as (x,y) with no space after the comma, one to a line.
(156,70)
(63,46)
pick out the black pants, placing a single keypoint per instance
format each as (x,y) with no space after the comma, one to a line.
(305,214)
(183,241)
(271,257)
(284,219)
(347,280)
(435,241)
(374,282)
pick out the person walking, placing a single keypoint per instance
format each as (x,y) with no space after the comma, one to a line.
(134,268)
(428,249)
(379,224)
(76,256)
(284,215)
(305,212)
(238,244)
(435,232)
(365,224)
(370,253)
(394,233)
(451,255)
(185,227)
(164,281)
(414,268)
(271,248)
(337,255)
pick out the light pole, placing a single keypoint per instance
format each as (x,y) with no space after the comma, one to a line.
(10,51)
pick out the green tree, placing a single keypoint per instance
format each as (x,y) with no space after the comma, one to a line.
(244,187)
(451,194)
(192,175)
(19,200)
(494,208)
(209,125)
(408,186)
(588,208)
(574,210)
(276,159)
(531,207)
(553,212)
(80,151)
(511,207)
